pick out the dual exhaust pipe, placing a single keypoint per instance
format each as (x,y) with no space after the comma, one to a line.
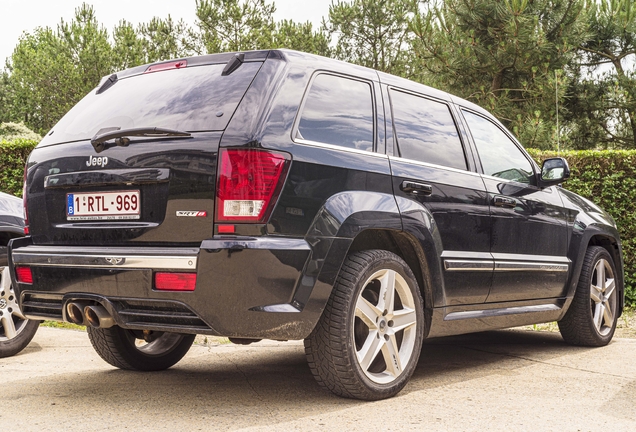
(88,314)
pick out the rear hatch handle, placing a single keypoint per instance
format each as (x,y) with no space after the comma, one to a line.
(121,135)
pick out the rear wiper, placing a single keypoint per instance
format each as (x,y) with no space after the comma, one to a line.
(121,136)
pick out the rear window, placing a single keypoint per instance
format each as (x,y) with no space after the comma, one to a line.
(192,99)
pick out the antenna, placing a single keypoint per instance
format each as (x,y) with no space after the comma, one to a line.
(556,99)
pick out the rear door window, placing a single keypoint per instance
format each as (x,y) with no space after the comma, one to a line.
(338,111)
(426,131)
(499,155)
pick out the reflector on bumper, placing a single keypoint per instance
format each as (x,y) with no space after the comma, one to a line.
(175,281)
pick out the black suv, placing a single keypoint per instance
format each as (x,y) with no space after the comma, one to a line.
(280,195)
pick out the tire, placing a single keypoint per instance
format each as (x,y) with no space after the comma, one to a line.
(591,318)
(358,319)
(15,330)
(127,349)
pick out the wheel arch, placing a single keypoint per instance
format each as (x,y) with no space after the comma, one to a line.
(360,220)
(404,246)
(606,237)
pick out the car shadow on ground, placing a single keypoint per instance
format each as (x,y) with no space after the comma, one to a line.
(458,358)
(241,386)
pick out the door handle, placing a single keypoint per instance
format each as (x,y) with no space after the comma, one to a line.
(502,201)
(412,187)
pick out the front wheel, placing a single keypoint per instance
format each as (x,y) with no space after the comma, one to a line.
(591,318)
(368,340)
(139,350)
(15,330)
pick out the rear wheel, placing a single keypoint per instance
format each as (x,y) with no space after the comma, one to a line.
(139,350)
(368,340)
(591,318)
(15,330)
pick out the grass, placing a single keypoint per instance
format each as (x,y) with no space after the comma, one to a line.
(210,341)
(62,325)
(625,328)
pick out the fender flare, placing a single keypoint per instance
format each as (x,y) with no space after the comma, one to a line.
(582,235)
(347,214)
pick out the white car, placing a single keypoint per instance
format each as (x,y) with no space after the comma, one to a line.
(15,330)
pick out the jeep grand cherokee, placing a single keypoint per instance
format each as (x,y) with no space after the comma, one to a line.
(281,195)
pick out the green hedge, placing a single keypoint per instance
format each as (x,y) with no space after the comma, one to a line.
(607,178)
(13,156)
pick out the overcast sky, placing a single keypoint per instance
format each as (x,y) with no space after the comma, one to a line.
(19,16)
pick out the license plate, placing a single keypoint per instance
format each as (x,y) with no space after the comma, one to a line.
(119,205)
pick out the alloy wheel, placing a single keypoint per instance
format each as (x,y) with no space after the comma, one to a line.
(384,326)
(603,297)
(12,321)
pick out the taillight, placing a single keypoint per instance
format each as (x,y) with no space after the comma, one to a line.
(175,281)
(24,275)
(248,185)
(24,203)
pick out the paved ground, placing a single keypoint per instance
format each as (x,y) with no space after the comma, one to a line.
(506,380)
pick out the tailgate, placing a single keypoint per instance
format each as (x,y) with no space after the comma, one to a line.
(155,192)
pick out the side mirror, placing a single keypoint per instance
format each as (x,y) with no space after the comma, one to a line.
(553,171)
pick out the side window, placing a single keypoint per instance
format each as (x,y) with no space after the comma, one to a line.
(338,111)
(499,155)
(426,131)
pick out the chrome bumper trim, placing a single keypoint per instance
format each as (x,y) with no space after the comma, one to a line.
(113,259)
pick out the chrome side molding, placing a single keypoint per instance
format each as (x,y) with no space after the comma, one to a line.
(468,265)
(483,261)
(500,312)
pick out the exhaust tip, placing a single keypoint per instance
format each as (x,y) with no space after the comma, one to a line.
(75,313)
(98,317)
(91,317)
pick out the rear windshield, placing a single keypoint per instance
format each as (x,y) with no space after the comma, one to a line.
(192,99)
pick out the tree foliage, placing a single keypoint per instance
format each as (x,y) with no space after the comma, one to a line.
(602,94)
(520,59)
(373,33)
(50,70)
(44,82)
(234,25)
(301,37)
(505,55)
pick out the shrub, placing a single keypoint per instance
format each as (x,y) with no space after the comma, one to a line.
(13,156)
(607,178)
(13,131)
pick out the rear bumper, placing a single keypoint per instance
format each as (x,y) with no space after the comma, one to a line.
(246,287)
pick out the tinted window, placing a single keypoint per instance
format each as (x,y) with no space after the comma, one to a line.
(338,111)
(499,155)
(186,99)
(426,131)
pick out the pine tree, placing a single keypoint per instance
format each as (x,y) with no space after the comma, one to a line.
(505,55)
